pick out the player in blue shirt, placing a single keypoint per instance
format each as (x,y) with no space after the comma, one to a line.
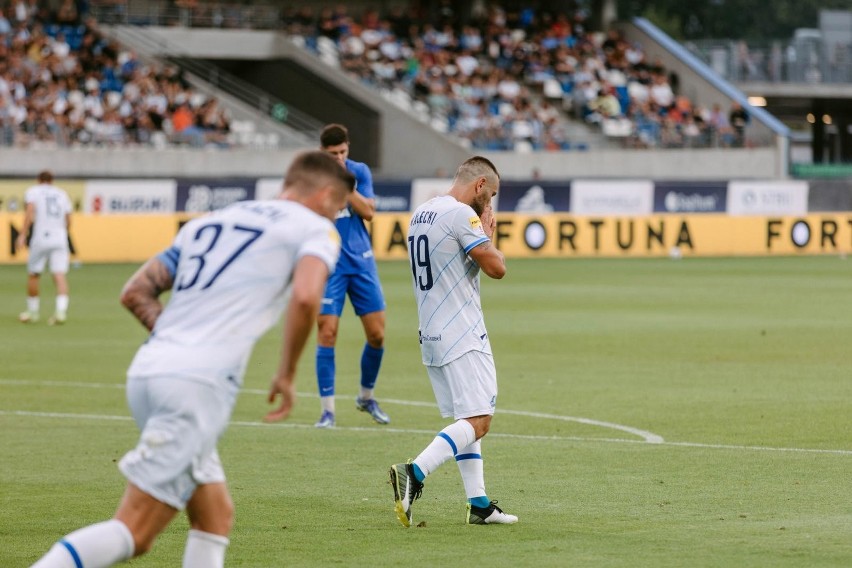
(355,275)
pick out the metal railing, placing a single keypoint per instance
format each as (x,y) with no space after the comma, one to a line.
(175,13)
(266,104)
(803,60)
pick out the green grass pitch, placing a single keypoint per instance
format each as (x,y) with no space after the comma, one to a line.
(738,369)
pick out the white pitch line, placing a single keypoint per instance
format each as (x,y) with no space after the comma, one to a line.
(293,425)
(758,448)
(646,436)
(385,429)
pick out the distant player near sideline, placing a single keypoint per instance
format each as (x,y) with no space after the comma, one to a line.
(357,276)
(230,273)
(449,242)
(48,214)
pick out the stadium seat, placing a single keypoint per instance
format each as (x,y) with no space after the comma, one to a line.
(617,127)
(328,52)
(552,89)
(523,147)
(243,132)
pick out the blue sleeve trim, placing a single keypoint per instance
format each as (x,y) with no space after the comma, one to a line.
(170,258)
(475,244)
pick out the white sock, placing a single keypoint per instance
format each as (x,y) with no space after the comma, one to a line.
(95,546)
(459,434)
(61,304)
(471,468)
(366,394)
(32,304)
(327,403)
(204,550)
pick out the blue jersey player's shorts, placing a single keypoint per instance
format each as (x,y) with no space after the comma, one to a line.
(364,289)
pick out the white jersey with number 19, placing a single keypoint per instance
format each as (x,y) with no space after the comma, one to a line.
(446,280)
(231,271)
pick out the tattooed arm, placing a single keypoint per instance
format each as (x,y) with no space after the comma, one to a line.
(141,294)
(489,259)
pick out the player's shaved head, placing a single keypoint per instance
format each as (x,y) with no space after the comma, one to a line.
(312,170)
(475,168)
(476,182)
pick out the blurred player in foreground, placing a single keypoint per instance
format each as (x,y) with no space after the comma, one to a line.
(357,276)
(229,273)
(48,215)
(449,242)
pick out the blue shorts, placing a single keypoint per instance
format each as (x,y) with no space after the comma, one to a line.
(364,289)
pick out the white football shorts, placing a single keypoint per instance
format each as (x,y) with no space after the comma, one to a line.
(40,255)
(181,421)
(466,386)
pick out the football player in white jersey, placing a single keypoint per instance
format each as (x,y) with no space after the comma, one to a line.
(230,274)
(449,242)
(48,215)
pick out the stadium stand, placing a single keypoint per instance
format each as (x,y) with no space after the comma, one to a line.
(501,81)
(248,45)
(63,84)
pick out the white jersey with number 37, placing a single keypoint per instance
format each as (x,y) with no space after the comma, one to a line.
(231,271)
(446,280)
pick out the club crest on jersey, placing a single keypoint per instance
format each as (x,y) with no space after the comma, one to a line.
(334,236)
(475,222)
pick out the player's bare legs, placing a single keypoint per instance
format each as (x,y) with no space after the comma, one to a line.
(32,285)
(59,314)
(61,283)
(374,329)
(144,517)
(131,532)
(211,509)
(371,360)
(481,425)
(211,517)
(32,313)
(328,326)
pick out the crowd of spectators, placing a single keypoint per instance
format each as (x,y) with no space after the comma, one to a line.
(478,78)
(498,79)
(503,79)
(636,100)
(63,84)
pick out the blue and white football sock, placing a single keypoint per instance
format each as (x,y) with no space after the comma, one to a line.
(96,546)
(204,550)
(325,377)
(470,464)
(459,434)
(371,361)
